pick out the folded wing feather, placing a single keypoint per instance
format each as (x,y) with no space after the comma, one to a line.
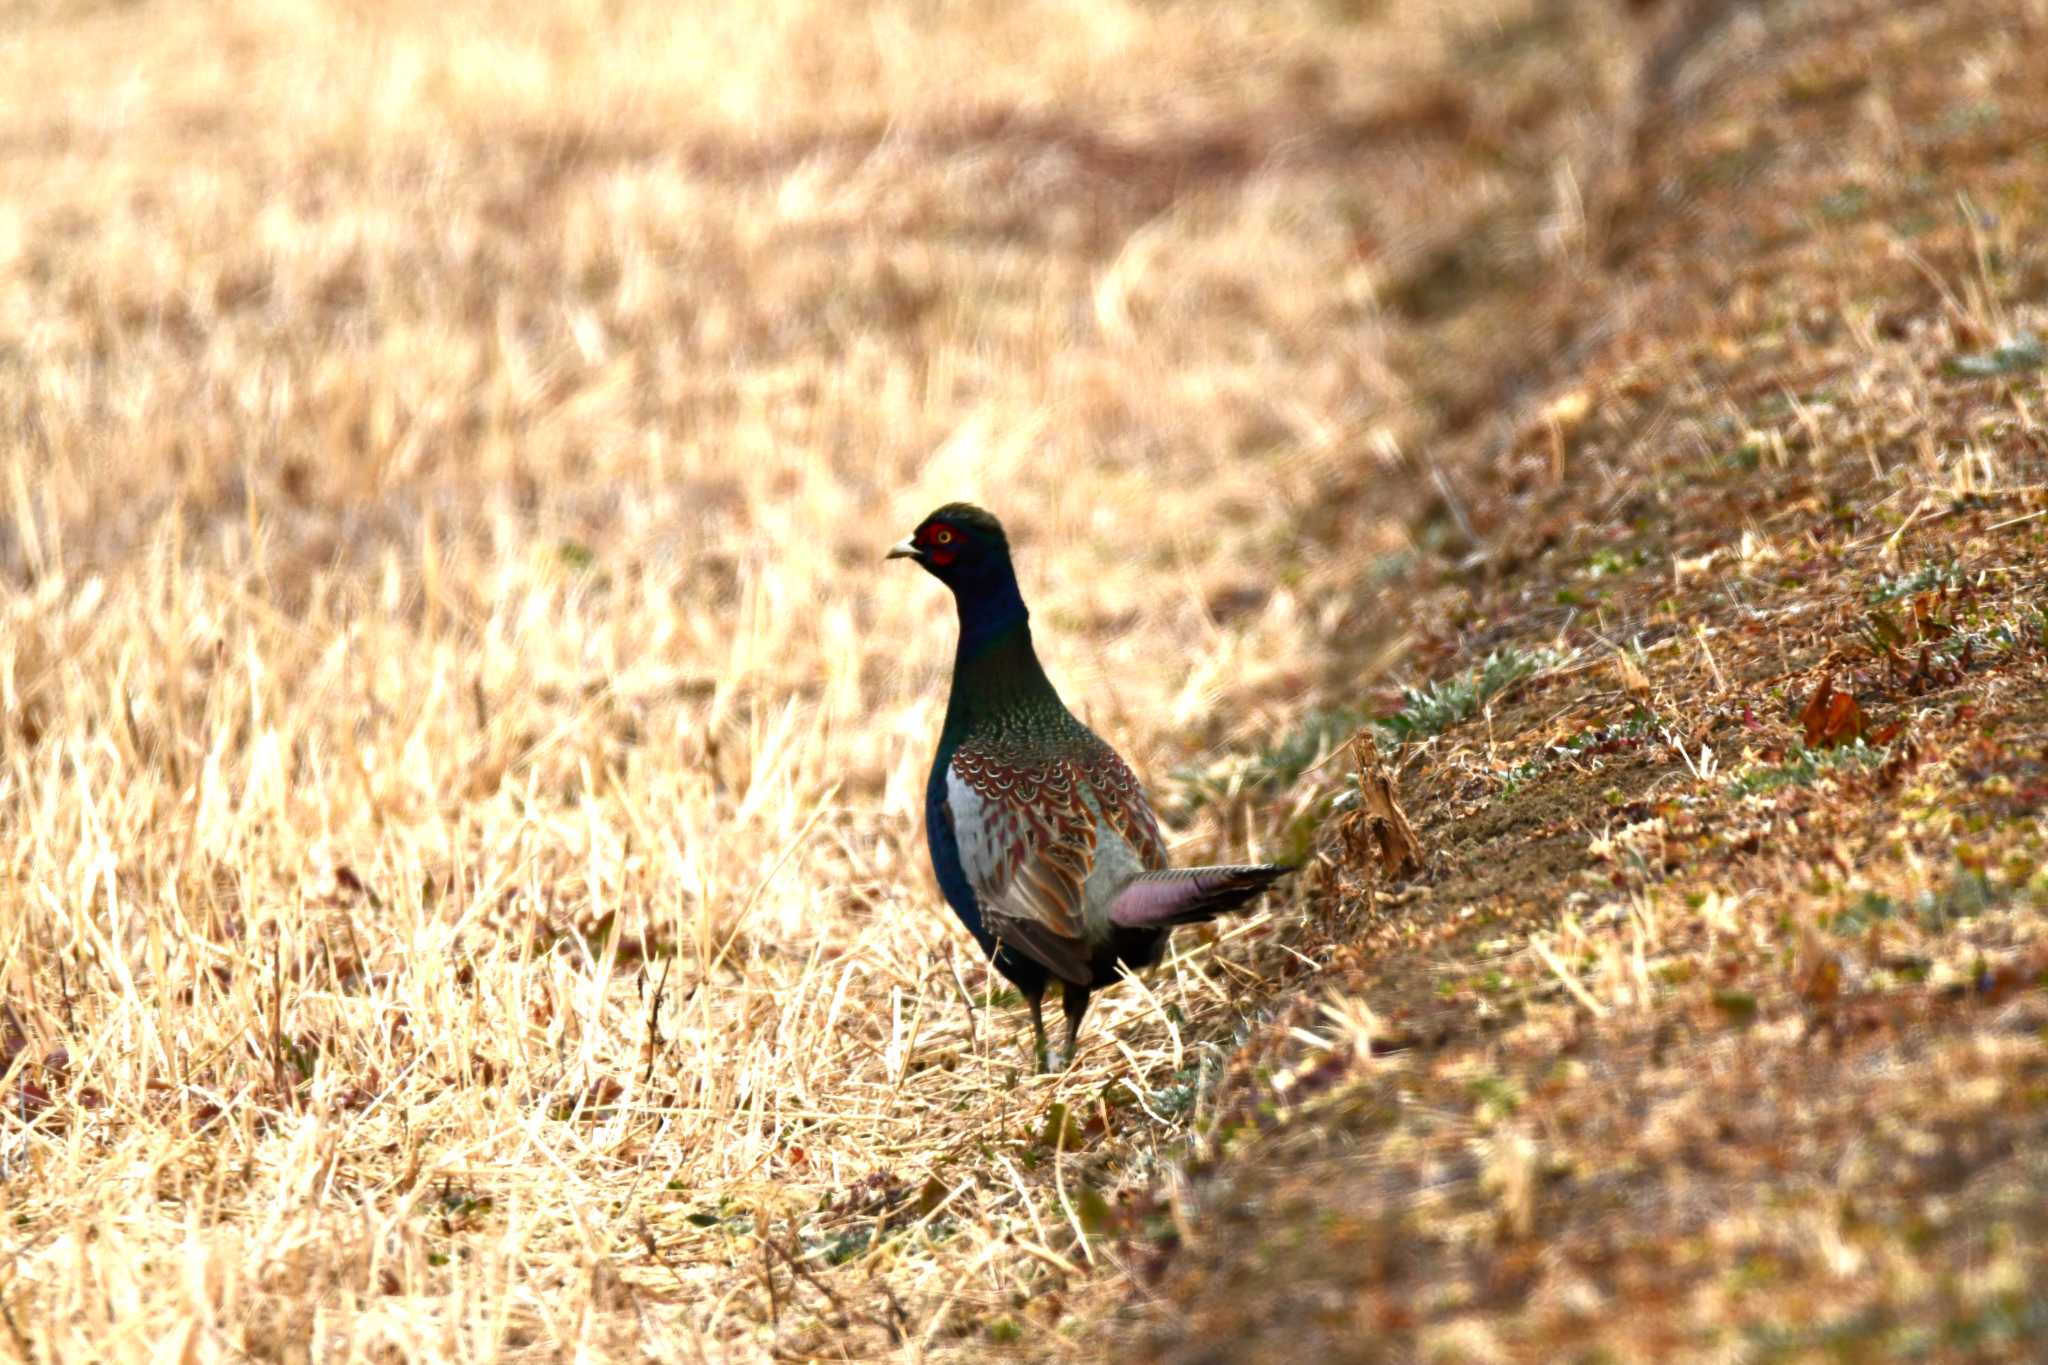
(1029,828)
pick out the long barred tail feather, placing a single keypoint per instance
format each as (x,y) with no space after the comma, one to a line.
(1189,895)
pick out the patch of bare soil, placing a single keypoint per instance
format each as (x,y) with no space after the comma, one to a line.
(1718,1025)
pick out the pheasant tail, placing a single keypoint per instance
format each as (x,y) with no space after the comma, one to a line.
(1189,895)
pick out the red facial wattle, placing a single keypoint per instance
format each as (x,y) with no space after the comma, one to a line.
(939,541)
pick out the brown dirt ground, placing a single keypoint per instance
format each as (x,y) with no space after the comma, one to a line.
(1658,1059)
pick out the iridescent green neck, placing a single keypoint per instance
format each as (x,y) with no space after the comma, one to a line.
(997,679)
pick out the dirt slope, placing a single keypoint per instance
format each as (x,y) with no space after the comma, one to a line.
(1718,1025)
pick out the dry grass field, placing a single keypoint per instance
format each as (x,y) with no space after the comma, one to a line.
(462,887)
(465,892)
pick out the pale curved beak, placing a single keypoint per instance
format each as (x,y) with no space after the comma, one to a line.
(903,549)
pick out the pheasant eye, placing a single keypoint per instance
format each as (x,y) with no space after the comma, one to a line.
(942,537)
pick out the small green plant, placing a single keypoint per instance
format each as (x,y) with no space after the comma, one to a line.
(1846,204)
(1274,767)
(2024,352)
(1737,1006)
(1608,563)
(1495,1096)
(1176,1100)
(1872,907)
(1427,710)
(1926,579)
(1802,766)
(1969,894)
(724,1213)
(1435,707)
(847,1243)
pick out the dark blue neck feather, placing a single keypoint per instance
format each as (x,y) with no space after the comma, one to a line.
(995,666)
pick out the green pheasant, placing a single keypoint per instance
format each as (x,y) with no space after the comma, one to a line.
(1042,839)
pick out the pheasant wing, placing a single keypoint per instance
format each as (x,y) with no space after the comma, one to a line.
(1027,842)
(1116,793)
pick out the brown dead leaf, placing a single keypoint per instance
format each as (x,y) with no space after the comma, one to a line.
(1633,680)
(333,883)
(1832,718)
(1905,756)
(1820,976)
(1933,616)
(1379,826)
